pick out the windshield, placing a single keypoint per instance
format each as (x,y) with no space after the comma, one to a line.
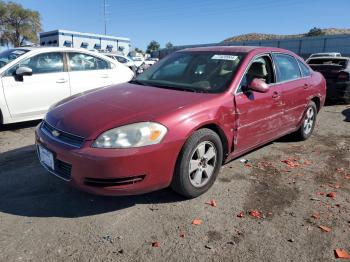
(329,61)
(10,55)
(209,72)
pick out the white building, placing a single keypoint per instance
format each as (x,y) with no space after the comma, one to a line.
(85,40)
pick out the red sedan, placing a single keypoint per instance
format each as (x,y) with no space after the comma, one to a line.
(179,121)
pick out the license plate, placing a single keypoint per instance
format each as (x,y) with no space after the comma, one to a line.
(46,157)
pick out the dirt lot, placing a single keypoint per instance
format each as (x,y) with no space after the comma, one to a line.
(43,219)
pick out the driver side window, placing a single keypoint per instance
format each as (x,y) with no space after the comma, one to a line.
(261,68)
(41,64)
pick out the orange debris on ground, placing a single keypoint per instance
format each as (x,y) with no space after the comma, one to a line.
(324,228)
(196,222)
(340,253)
(211,203)
(156,244)
(241,214)
(291,162)
(255,213)
(331,194)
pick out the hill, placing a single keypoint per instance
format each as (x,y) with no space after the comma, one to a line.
(312,32)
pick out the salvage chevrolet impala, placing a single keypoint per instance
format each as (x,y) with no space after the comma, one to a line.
(178,122)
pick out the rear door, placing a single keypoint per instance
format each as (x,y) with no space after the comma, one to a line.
(88,72)
(295,88)
(259,115)
(31,97)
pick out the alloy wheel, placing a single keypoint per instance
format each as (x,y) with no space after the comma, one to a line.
(202,164)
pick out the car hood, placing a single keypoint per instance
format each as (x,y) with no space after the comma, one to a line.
(90,114)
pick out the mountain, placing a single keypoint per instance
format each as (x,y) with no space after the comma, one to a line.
(312,32)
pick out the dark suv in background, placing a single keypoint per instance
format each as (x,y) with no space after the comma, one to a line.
(336,71)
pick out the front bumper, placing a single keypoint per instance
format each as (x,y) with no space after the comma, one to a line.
(112,171)
(338,90)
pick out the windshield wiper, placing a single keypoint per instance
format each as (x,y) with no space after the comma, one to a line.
(137,82)
(188,89)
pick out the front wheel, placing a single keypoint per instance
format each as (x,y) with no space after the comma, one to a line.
(309,122)
(198,164)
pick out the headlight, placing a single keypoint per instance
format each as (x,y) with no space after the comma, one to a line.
(134,135)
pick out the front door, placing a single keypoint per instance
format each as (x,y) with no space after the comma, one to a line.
(31,97)
(259,115)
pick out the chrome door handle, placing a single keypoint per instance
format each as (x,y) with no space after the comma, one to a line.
(61,81)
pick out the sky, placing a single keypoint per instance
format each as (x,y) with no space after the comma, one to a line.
(184,22)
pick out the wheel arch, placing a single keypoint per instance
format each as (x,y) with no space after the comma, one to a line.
(317,101)
(217,129)
(1,118)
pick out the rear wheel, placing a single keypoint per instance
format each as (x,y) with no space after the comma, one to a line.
(309,122)
(198,164)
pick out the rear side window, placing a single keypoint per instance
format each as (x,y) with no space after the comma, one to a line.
(304,69)
(287,67)
(341,63)
(84,62)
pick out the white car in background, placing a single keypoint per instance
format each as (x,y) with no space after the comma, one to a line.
(151,61)
(33,79)
(139,61)
(123,60)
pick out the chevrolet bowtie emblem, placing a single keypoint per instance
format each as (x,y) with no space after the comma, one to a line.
(55,133)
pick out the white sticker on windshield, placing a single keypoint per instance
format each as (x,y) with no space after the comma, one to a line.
(18,52)
(225,57)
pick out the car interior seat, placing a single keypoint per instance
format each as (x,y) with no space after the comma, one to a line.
(257,70)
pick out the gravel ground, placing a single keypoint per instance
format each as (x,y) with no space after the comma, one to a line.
(43,219)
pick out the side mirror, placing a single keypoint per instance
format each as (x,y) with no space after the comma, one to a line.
(24,71)
(258,85)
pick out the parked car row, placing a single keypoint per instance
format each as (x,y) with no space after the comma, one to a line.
(179,121)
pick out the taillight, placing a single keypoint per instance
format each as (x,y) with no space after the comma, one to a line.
(343,76)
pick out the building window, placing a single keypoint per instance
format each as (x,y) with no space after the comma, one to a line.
(121,48)
(84,45)
(49,43)
(97,46)
(43,43)
(54,42)
(109,48)
(67,43)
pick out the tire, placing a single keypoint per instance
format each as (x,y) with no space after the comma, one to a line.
(308,123)
(204,151)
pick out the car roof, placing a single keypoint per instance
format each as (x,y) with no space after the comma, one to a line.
(333,53)
(238,49)
(52,48)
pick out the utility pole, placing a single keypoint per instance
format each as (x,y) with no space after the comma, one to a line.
(105,15)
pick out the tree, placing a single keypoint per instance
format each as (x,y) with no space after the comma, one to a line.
(169,45)
(153,46)
(315,32)
(138,50)
(18,25)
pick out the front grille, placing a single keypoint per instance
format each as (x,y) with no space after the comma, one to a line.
(98,182)
(63,169)
(61,136)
